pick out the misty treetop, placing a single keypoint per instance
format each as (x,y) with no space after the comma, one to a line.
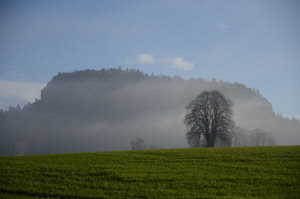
(104,110)
(210,116)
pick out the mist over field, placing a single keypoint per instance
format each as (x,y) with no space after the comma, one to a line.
(85,111)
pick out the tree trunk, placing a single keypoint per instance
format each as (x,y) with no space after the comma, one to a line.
(211,143)
(211,139)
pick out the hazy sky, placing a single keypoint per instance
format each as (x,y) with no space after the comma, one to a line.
(256,43)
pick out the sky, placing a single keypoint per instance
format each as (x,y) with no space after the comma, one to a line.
(252,42)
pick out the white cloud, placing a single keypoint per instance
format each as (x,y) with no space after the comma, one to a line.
(221,27)
(179,63)
(145,58)
(20,91)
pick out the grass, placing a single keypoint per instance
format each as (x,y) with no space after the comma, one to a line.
(250,172)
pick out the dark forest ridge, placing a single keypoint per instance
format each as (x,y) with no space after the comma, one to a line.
(90,110)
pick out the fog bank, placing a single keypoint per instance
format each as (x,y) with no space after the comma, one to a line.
(104,110)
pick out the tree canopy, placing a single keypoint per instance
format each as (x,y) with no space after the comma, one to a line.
(210,115)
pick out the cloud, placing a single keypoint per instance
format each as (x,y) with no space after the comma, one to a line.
(20,91)
(145,58)
(179,63)
(221,26)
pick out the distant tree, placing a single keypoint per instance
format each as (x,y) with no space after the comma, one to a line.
(257,137)
(138,144)
(22,148)
(240,137)
(152,147)
(210,116)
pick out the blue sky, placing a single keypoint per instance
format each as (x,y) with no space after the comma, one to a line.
(253,42)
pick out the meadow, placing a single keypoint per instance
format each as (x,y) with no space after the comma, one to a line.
(241,172)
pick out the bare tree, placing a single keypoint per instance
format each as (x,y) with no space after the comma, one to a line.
(257,137)
(138,144)
(22,148)
(240,137)
(210,116)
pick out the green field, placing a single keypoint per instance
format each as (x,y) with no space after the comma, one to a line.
(246,172)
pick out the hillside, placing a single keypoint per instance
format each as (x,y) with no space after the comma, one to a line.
(86,111)
(244,172)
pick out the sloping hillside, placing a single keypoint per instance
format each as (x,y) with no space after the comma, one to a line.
(104,110)
(237,172)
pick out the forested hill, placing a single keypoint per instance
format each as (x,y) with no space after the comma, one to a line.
(104,110)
